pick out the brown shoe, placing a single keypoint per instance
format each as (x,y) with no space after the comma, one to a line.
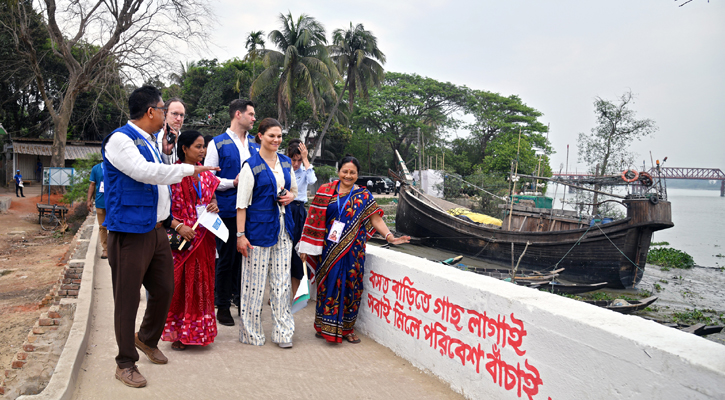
(130,377)
(154,354)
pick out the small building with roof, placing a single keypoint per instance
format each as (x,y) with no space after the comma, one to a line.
(28,154)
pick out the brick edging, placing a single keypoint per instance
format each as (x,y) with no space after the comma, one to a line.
(67,285)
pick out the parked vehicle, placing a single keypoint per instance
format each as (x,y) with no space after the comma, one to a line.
(379,185)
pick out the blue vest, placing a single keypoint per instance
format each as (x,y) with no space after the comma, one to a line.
(130,205)
(262,224)
(230,165)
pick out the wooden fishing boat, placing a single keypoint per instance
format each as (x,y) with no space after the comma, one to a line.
(623,306)
(569,288)
(696,329)
(542,239)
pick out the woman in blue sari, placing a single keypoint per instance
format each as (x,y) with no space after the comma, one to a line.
(341,218)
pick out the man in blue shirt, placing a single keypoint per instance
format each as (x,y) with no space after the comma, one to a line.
(305,174)
(18,184)
(96,187)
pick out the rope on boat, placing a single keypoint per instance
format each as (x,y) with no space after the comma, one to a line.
(572,247)
(615,246)
(482,249)
(610,241)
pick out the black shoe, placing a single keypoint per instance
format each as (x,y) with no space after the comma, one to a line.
(224,316)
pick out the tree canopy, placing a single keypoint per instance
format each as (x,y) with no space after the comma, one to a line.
(337,96)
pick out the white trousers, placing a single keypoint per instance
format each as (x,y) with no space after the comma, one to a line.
(263,262)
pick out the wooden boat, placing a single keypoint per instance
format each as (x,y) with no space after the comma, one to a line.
(531,278)
(696,329)
(569,288)
(543,239)
(623,306)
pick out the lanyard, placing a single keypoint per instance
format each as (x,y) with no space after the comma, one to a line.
(339,210)
(198,189)
(158,158)
(153,150)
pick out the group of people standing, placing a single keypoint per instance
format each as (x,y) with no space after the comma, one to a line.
(153,184)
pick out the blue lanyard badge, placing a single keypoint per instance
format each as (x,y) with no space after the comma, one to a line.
(339,210)
(197,188)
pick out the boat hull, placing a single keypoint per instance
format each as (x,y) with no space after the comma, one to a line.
(615,252)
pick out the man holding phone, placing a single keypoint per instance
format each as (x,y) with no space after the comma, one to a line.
(166,138)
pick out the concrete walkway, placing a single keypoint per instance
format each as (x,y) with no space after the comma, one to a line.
(228,369)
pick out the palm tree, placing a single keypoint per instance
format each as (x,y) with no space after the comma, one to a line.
(302,64)
(254,39)
(354,52)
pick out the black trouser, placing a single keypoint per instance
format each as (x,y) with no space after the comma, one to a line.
(139,259)
(21,190)
(299,215)
(228,267)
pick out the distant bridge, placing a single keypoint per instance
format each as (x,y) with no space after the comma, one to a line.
(709,174)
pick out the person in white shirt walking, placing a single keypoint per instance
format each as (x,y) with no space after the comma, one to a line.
(305,175)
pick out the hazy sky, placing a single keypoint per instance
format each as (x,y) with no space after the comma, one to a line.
(557,56)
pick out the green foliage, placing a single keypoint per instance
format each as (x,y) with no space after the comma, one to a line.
(301,67)
(325,172)
(78,190)
(405,103)
(494,135)
(617,127)
(693,316)
(670,258)
(660,244)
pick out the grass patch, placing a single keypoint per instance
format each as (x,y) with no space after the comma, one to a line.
(694,316)
(660,244)
(670,258)
(386,200)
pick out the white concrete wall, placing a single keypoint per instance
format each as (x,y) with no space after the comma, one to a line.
(567,349)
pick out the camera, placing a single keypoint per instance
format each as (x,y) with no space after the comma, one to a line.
(170,137)
(281,193)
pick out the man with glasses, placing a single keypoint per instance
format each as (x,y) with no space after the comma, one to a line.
(175,114)
(138,207)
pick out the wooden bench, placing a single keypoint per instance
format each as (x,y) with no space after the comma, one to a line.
(59,211)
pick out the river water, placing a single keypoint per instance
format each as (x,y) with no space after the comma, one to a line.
(699,217)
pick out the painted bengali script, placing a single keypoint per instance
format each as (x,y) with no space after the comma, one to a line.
(501,331)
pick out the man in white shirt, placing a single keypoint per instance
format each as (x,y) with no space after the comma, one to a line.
(138,202)
(175,114)
(229,151)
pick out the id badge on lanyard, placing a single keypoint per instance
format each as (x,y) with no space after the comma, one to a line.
(201,207)
(338,226)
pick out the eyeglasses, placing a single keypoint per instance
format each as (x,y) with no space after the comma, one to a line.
(174,114)
(160,108)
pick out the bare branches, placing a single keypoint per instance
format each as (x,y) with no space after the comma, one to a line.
(99,39)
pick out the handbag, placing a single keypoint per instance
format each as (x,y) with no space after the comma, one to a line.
(175,240)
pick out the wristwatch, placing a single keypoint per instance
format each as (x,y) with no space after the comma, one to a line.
(240,234)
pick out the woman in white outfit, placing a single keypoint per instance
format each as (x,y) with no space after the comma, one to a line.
(266,188)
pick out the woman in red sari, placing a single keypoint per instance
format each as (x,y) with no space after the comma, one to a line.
(191,319)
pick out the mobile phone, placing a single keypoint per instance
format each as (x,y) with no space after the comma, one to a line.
(170,137)
(281,193)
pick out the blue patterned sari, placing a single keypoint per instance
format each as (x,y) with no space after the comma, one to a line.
(340,274)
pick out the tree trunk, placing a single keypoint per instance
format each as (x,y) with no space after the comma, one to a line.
(60,134)
(595,198)
(318,144)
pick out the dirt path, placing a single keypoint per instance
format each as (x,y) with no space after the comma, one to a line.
(30,262)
